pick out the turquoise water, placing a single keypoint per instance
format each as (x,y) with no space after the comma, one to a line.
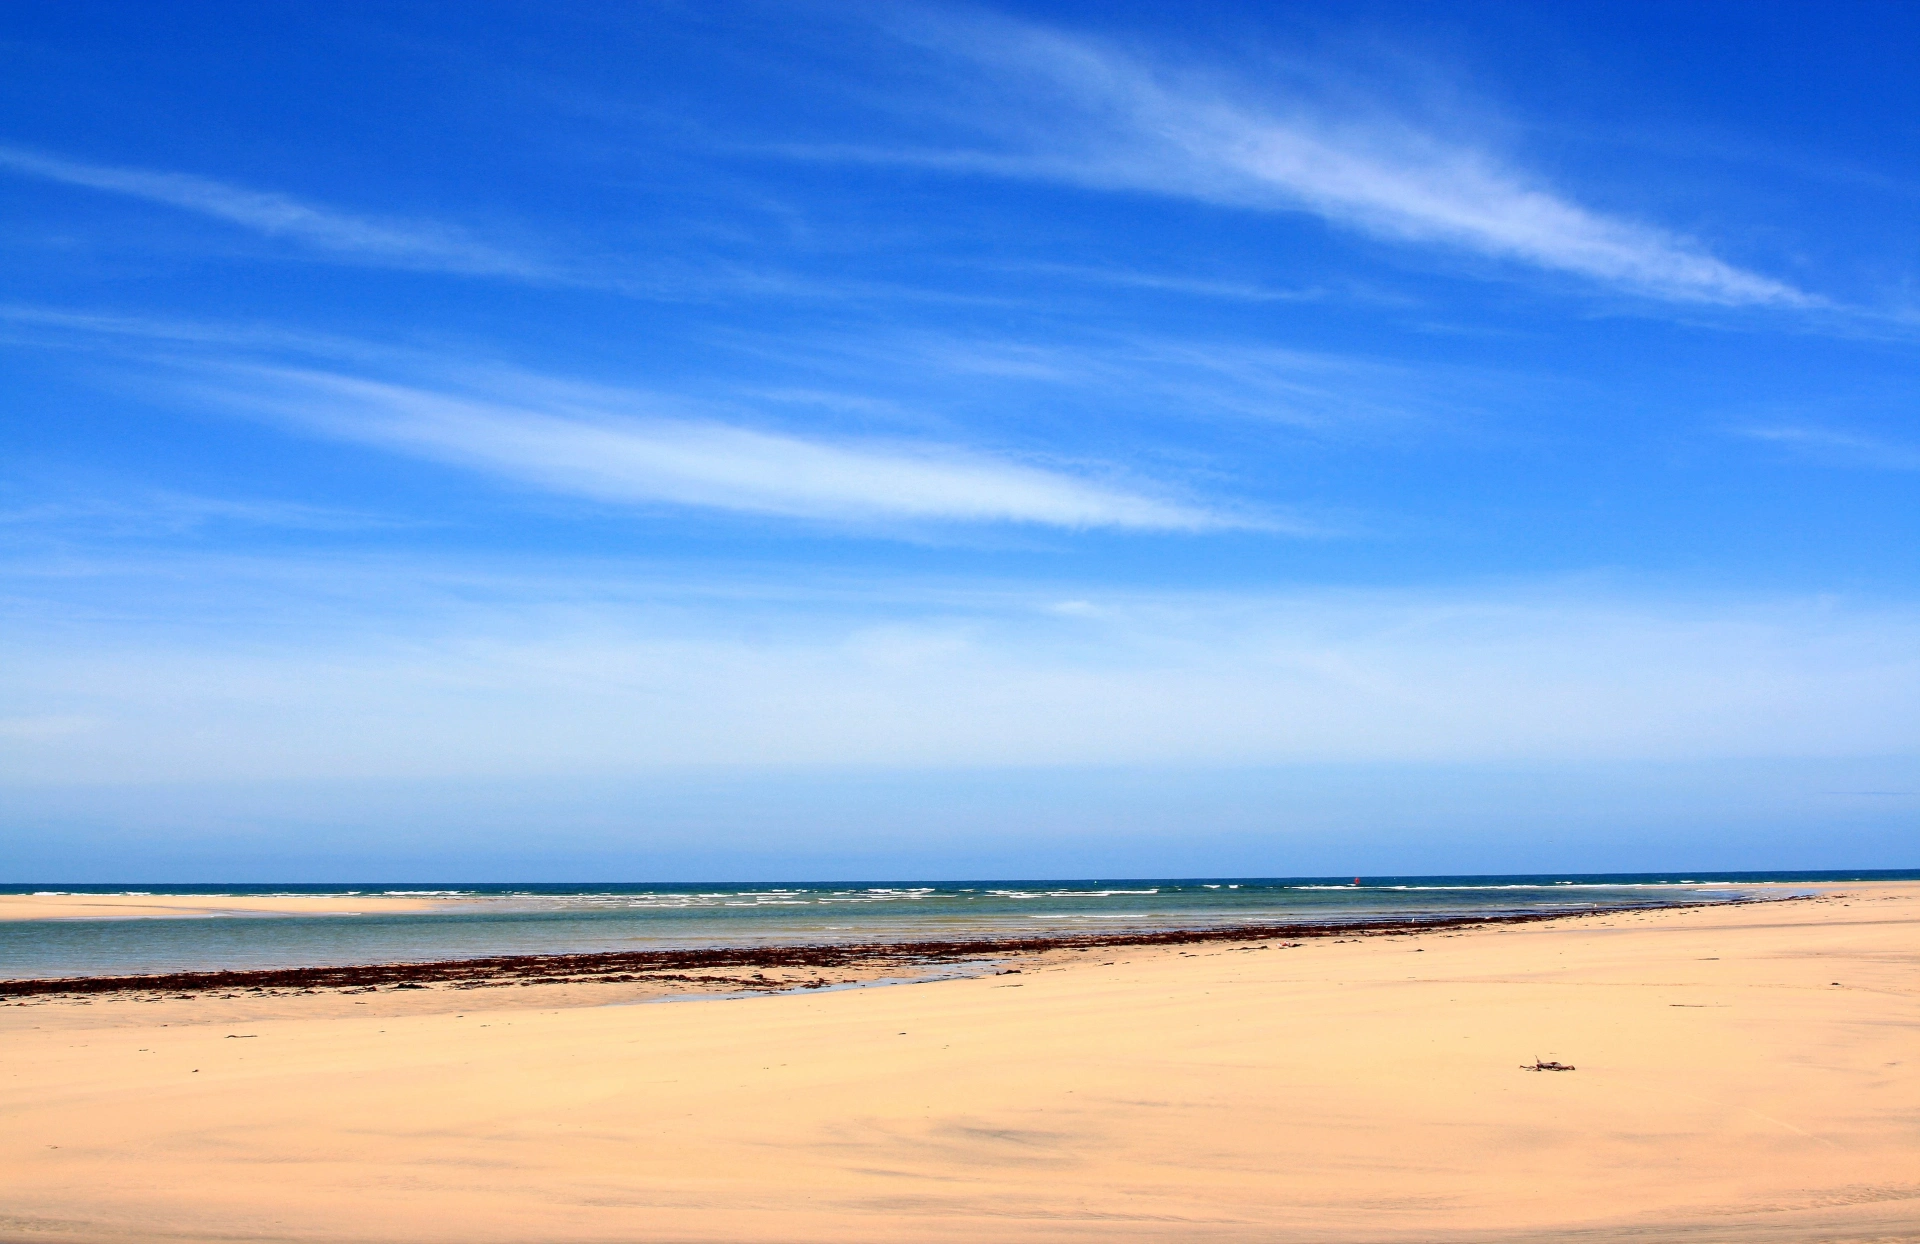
(482,920)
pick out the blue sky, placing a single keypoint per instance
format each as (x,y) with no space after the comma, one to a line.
(729,440)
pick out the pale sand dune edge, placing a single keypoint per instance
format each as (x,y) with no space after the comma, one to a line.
(1727,1090)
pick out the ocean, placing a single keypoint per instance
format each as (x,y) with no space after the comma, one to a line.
(498,919)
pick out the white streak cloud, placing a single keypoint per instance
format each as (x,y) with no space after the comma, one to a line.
(401,244)
(588,443)
(1073,110)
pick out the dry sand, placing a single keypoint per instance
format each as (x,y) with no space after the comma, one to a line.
(1743,1074)
(181,906)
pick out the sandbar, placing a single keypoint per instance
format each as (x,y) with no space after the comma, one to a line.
(189,906)
(1739,1073)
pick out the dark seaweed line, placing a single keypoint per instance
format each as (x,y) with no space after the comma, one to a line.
(621,965)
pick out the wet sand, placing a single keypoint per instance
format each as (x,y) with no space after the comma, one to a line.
(763,967)
(1744,1073)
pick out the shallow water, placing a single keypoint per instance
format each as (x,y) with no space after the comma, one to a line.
(482,920)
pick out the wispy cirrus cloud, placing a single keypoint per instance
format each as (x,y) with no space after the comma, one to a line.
(53,326)
(412,244)
(1072,109)
(617,446)
(163,514)
(1839,447)
(1158,282)
(1153,377)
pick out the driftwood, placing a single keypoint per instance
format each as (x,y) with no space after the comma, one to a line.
(1538,1065)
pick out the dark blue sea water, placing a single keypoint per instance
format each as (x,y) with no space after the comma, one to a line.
(481,920)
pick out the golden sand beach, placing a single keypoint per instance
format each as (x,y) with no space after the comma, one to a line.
(1746,1073)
